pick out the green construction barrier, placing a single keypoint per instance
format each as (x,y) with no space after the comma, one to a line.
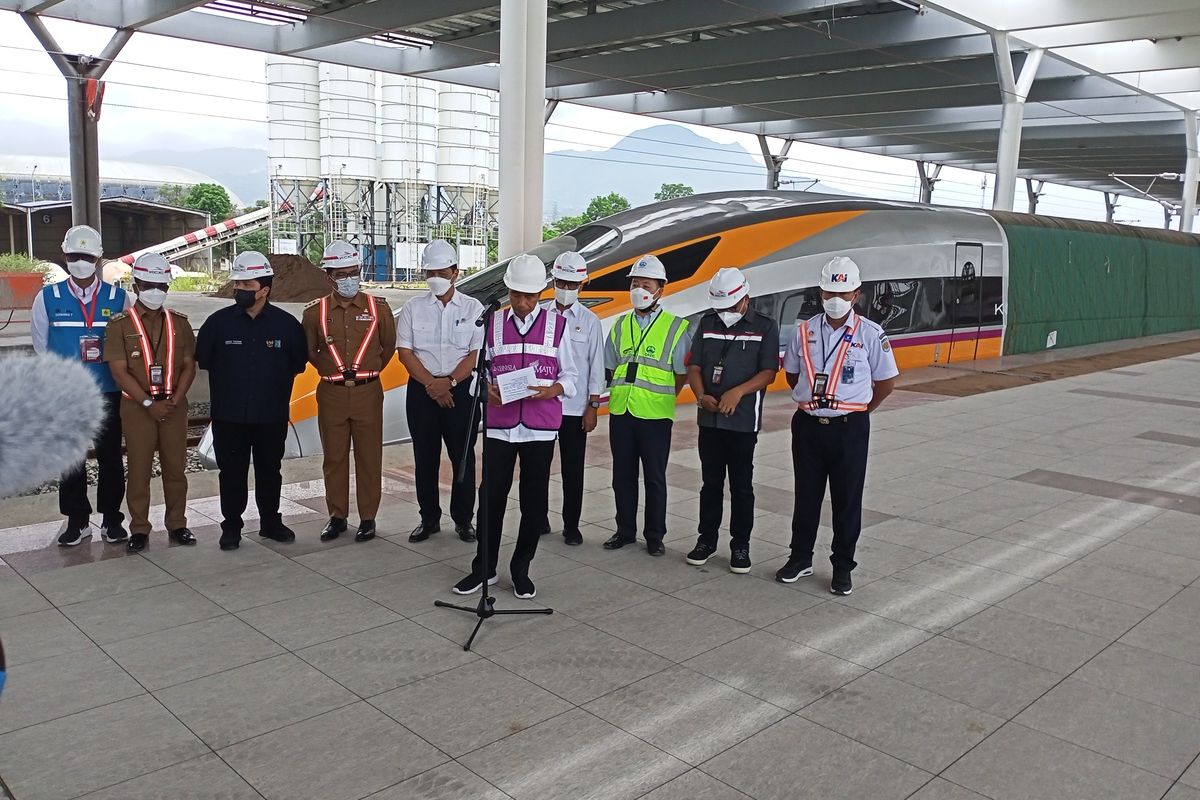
(1088,282)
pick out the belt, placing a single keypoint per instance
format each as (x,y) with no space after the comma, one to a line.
(343,381)
(154,397)
(829,420)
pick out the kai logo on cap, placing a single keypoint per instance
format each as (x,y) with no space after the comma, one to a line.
(840,277)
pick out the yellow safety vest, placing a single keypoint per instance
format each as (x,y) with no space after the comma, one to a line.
(651,394)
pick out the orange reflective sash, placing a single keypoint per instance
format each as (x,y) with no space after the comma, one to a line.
(338,361)
(835,375)
(148,355)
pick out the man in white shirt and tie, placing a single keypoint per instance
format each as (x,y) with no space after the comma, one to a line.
(438,343)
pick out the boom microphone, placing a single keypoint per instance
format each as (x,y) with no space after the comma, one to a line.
(488,310)
(50,411)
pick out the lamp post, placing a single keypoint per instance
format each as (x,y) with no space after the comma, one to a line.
(33,183)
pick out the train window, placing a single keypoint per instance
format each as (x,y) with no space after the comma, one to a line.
(890,303)
(681,263)
(800,306)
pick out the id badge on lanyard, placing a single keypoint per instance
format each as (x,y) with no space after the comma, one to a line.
(156,378)
(90,351)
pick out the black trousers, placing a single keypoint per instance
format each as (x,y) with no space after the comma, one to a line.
(73,502)
(724,452)
(645,445)
(572,452)
(835,452)
(235,445)
(501,459)
(430,425)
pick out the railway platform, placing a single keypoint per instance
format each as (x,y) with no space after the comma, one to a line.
(1022,626)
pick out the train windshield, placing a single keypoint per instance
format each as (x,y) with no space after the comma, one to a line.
(590,241)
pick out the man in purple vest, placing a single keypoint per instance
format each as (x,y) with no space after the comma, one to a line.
(523,418)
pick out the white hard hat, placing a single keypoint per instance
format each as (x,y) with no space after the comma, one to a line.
(152,268)
(438,254)
(648,266)
(727,288)
(249,266)
(82,239)
(525,273)
(840,275)
(339,254)
(570,266)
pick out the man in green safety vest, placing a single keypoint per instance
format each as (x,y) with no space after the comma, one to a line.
(646,360)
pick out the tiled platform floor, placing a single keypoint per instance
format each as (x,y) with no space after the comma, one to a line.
(1023,626)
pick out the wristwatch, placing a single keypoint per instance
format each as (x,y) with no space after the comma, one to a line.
(147,403)
(594,404)
(453,382)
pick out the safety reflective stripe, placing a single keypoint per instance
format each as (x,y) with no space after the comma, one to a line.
(73,324)
(662,361)
(546,348)
(362,347)
(528,349)
(148,356)
(835,375)
(657,388)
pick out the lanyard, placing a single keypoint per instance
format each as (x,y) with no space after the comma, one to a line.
(638,348)
(825,356)
(169,327)
(89,319)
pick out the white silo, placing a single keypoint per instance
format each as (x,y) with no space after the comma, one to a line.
(463,136)
(494,144)
(293,118)
(409,123)
(347,108)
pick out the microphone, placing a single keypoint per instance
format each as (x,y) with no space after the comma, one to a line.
(488,310)
(50,412)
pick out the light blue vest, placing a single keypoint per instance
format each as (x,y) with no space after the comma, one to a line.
(68,325)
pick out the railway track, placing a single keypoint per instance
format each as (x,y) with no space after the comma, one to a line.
(196,426)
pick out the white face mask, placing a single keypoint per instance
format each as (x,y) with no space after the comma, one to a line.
(836,307)
(439,286)
(347,287)
(152,298)
(641,298)
(565,297)
(730,318)
(80,268)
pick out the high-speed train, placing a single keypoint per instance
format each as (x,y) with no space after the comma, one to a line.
(934,277)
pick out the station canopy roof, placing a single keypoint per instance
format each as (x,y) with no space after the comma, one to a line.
(908,78)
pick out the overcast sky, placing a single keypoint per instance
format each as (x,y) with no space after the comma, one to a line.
(169,93)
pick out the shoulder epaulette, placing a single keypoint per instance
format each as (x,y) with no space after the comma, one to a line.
(313,303)
(179,313)
(118,317)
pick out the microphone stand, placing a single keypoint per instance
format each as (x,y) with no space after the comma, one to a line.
(479,403)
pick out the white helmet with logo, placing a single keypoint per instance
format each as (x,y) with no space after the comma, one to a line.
(840,275)
(648,266)
(340,254)
(249,266)
(727,288)
(525,273)
(571,267)
(438,254)
(152,268)
(82,239)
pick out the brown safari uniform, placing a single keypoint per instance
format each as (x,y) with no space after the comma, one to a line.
(143,434)
(350,406)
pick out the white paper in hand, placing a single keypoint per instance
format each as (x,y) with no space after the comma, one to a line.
(515,385)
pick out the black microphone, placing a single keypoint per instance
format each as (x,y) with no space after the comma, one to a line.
(488,310)
(50,410)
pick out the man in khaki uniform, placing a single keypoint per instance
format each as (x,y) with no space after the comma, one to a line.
(351,338)
(151,352)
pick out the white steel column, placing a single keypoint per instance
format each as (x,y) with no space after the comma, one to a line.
(1014,91)
(522,120)
(1191,175)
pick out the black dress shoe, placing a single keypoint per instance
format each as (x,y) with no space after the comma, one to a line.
(465,532)
(278,533)
(333,529)
(138,542)
(366,531)
(182,536)
(230,539)
(617,541)
(572,537)
(423,532)
(656,548)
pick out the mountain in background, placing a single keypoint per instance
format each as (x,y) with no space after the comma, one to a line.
(242,169)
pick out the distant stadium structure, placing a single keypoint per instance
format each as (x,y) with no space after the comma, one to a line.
(32,179)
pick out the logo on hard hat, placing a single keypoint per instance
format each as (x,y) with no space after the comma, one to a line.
(840,277)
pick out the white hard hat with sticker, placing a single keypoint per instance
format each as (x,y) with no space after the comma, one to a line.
(438,254)
(83,239)
(340,254)
(841,274)
(571,267)
(648,266)
(152,268)
(525,273)
(727,288)
(249,266)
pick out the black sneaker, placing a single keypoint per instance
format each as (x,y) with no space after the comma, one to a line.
(573,537)
(74,535)
(278,533)
(739,561)
(841,583)
(700,554)
(138,542)
(112,532)
(472,584)
(793,570)
(523,588)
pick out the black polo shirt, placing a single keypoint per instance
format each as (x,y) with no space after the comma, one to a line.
(251,363)
(749,347)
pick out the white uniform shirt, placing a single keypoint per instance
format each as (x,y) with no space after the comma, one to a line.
(567,376)
(440,335)
(678,356)
(869,359)
(39,320)
(584,337)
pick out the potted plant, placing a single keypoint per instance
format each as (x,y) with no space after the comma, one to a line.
(20,281)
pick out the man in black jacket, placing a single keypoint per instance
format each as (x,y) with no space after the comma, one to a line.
(253,352)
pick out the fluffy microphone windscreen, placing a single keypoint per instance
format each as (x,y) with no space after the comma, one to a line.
(50,411)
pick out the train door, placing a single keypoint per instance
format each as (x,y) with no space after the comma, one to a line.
(963,296)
